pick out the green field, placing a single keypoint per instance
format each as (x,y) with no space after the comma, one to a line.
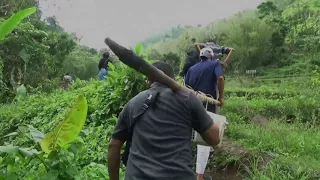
(278,121)
(273,131)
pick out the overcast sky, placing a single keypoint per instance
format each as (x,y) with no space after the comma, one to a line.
(129,21)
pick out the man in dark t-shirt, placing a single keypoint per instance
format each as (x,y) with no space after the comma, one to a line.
(161,141)
(103,65)
(191,59)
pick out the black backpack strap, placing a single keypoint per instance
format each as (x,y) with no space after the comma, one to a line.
(150,101)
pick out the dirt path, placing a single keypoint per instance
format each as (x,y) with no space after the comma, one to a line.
(229,162)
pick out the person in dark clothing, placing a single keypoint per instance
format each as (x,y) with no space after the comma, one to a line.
(192,58)
(103,65)
(161,141)
(66,81)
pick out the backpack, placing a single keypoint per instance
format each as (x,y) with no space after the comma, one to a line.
(150,101)
(219,50)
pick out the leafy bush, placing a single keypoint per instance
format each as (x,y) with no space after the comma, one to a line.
(86,158)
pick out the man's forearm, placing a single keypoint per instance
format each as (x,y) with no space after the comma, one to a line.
(113,162)
(197,46)
(228,58)
(221,86)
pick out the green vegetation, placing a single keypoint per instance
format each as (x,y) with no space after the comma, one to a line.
(38,53)
(87,156)
(172,33)
(284,35)
(51,135)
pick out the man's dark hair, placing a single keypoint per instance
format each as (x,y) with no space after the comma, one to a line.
(106,54)
(164,67)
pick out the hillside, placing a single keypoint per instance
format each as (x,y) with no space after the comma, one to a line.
(273,125)
(57,134)
(280,35)
(170,34)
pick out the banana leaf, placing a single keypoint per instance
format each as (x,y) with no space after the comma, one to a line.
(68,130)
(8,25)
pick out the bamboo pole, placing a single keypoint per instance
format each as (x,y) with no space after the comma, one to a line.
(154,74)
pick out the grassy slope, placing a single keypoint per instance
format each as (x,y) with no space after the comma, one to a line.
(294,148)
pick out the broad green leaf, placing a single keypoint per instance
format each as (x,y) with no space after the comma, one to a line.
(15,149)
(25,131)
(68,130)
(28,152)
(139,48)
(111,66)
(8,25)
(24,55)
(11,134)
(9,149)
(79,139)
(113,73)
(36,134)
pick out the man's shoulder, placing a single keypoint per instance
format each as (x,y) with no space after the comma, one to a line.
(211,64)
(195,66)
(139,98)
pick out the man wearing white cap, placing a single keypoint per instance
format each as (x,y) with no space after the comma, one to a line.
(206,76)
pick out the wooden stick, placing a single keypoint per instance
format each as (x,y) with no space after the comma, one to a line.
(154,74)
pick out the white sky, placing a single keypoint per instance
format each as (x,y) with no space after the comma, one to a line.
(129,21)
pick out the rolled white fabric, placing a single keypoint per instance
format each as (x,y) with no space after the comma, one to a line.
(221,121)
(203,153)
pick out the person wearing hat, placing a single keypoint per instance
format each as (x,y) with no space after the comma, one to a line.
(207,77)
(218,51)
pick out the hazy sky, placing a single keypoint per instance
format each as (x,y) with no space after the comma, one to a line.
(129,21)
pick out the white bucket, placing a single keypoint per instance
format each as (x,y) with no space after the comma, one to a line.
(221,121)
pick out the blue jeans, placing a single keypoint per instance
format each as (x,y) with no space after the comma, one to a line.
(103,73)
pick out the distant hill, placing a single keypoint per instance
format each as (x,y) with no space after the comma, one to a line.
(170,34)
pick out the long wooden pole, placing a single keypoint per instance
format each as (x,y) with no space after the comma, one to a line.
(137,63)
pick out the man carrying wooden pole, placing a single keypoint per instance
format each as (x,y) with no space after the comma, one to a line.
(205,76)
(211,136)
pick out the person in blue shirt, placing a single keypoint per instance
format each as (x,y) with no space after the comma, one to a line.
(206,76)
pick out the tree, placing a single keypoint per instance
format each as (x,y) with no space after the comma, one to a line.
(82,63)
(173,60)
(53,23)
(33,55)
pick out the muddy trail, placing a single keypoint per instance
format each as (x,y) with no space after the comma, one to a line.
(232,162)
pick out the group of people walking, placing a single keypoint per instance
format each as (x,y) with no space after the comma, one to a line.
(157,124)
